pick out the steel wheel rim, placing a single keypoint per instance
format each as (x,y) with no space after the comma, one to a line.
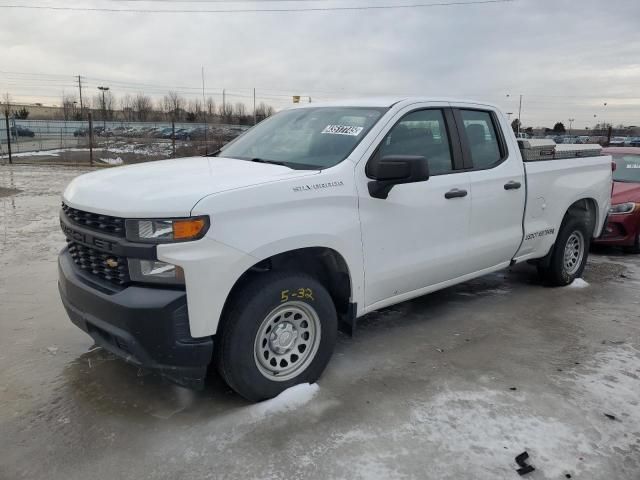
(573,252)
(287,341)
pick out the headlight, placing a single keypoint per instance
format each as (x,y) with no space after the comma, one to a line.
(166,231)
(621,208)
(155,271)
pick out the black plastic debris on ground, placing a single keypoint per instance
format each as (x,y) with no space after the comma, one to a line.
(525,468)
(610,416)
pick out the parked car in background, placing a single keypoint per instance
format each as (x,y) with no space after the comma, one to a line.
(623,226)
(198,133)
(634,142)
(161,132)
(583,139)
(20,131)
(617,141)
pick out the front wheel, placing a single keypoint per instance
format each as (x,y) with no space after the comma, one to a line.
(279,331)
(569,255)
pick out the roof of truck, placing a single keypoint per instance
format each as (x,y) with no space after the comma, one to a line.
(388,101)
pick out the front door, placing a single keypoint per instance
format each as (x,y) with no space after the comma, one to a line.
(417,237)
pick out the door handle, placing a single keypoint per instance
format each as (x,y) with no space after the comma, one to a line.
(512,185)
(455,193)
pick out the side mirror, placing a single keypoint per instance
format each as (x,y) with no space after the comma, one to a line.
(394,170)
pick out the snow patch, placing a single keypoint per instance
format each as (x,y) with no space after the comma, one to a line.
(112,161)
(290,399)
(578,283)
(45,153)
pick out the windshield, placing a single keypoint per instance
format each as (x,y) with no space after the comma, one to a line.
(305,138)
(627,168)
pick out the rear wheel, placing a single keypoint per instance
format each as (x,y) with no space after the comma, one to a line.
(569,255)
(280,330)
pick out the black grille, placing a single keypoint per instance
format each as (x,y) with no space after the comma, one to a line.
(103,265)
(95,221)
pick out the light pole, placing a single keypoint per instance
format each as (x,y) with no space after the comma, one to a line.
(104,108)
(571,120)
(519,112)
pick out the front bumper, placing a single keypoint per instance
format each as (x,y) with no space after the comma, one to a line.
(620,230)
(148,327)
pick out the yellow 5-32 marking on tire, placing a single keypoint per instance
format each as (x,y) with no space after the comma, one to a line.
(300,293)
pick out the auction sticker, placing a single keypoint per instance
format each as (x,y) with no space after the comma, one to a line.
(343,130)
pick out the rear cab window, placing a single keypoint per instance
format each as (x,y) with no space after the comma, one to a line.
(484,139)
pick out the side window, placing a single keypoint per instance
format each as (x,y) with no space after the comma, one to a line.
(422,133)
(482,137)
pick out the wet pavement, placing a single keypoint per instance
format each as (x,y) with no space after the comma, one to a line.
(451,385)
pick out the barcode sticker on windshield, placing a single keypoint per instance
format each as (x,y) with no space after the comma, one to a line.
(343,130)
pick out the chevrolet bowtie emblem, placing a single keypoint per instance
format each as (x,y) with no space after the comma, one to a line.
(111,262)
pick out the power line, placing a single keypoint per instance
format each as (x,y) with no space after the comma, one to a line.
(255,10)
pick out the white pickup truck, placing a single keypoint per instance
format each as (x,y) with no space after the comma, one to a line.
(249,260)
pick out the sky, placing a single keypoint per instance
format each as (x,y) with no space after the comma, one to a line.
(575,59)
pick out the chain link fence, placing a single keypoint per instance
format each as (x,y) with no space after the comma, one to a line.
(113,143)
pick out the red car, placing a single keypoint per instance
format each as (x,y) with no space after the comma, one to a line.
(623,227)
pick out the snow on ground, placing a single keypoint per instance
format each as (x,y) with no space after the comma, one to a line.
(578,283)
(290,399)
(146,149)
(45,153)
(112,161)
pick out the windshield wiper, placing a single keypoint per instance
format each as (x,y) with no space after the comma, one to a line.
(273,162)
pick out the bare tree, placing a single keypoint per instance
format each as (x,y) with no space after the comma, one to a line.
(143,107)
(226,112)
(69,107)
(173,104)
(263,111)
(210,107)
(194,110)
(126,105)
(240,110)
(104,103)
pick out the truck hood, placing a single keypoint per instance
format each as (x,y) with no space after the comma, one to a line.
(625,192)
(168,188)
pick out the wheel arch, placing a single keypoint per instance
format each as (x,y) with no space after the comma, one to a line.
(323,263)
(587,207)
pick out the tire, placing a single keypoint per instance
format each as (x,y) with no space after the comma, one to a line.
(279,331)
(570,252)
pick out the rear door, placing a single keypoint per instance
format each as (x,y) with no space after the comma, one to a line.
(497,187)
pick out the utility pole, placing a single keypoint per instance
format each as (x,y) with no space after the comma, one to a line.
(6,118)
(104,109)
(80,89)
(571,120)
(254,106)
(90,139)
(519,115)
(204,114)
(224,108)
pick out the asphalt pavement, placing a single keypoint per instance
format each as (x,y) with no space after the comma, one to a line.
(452,385)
